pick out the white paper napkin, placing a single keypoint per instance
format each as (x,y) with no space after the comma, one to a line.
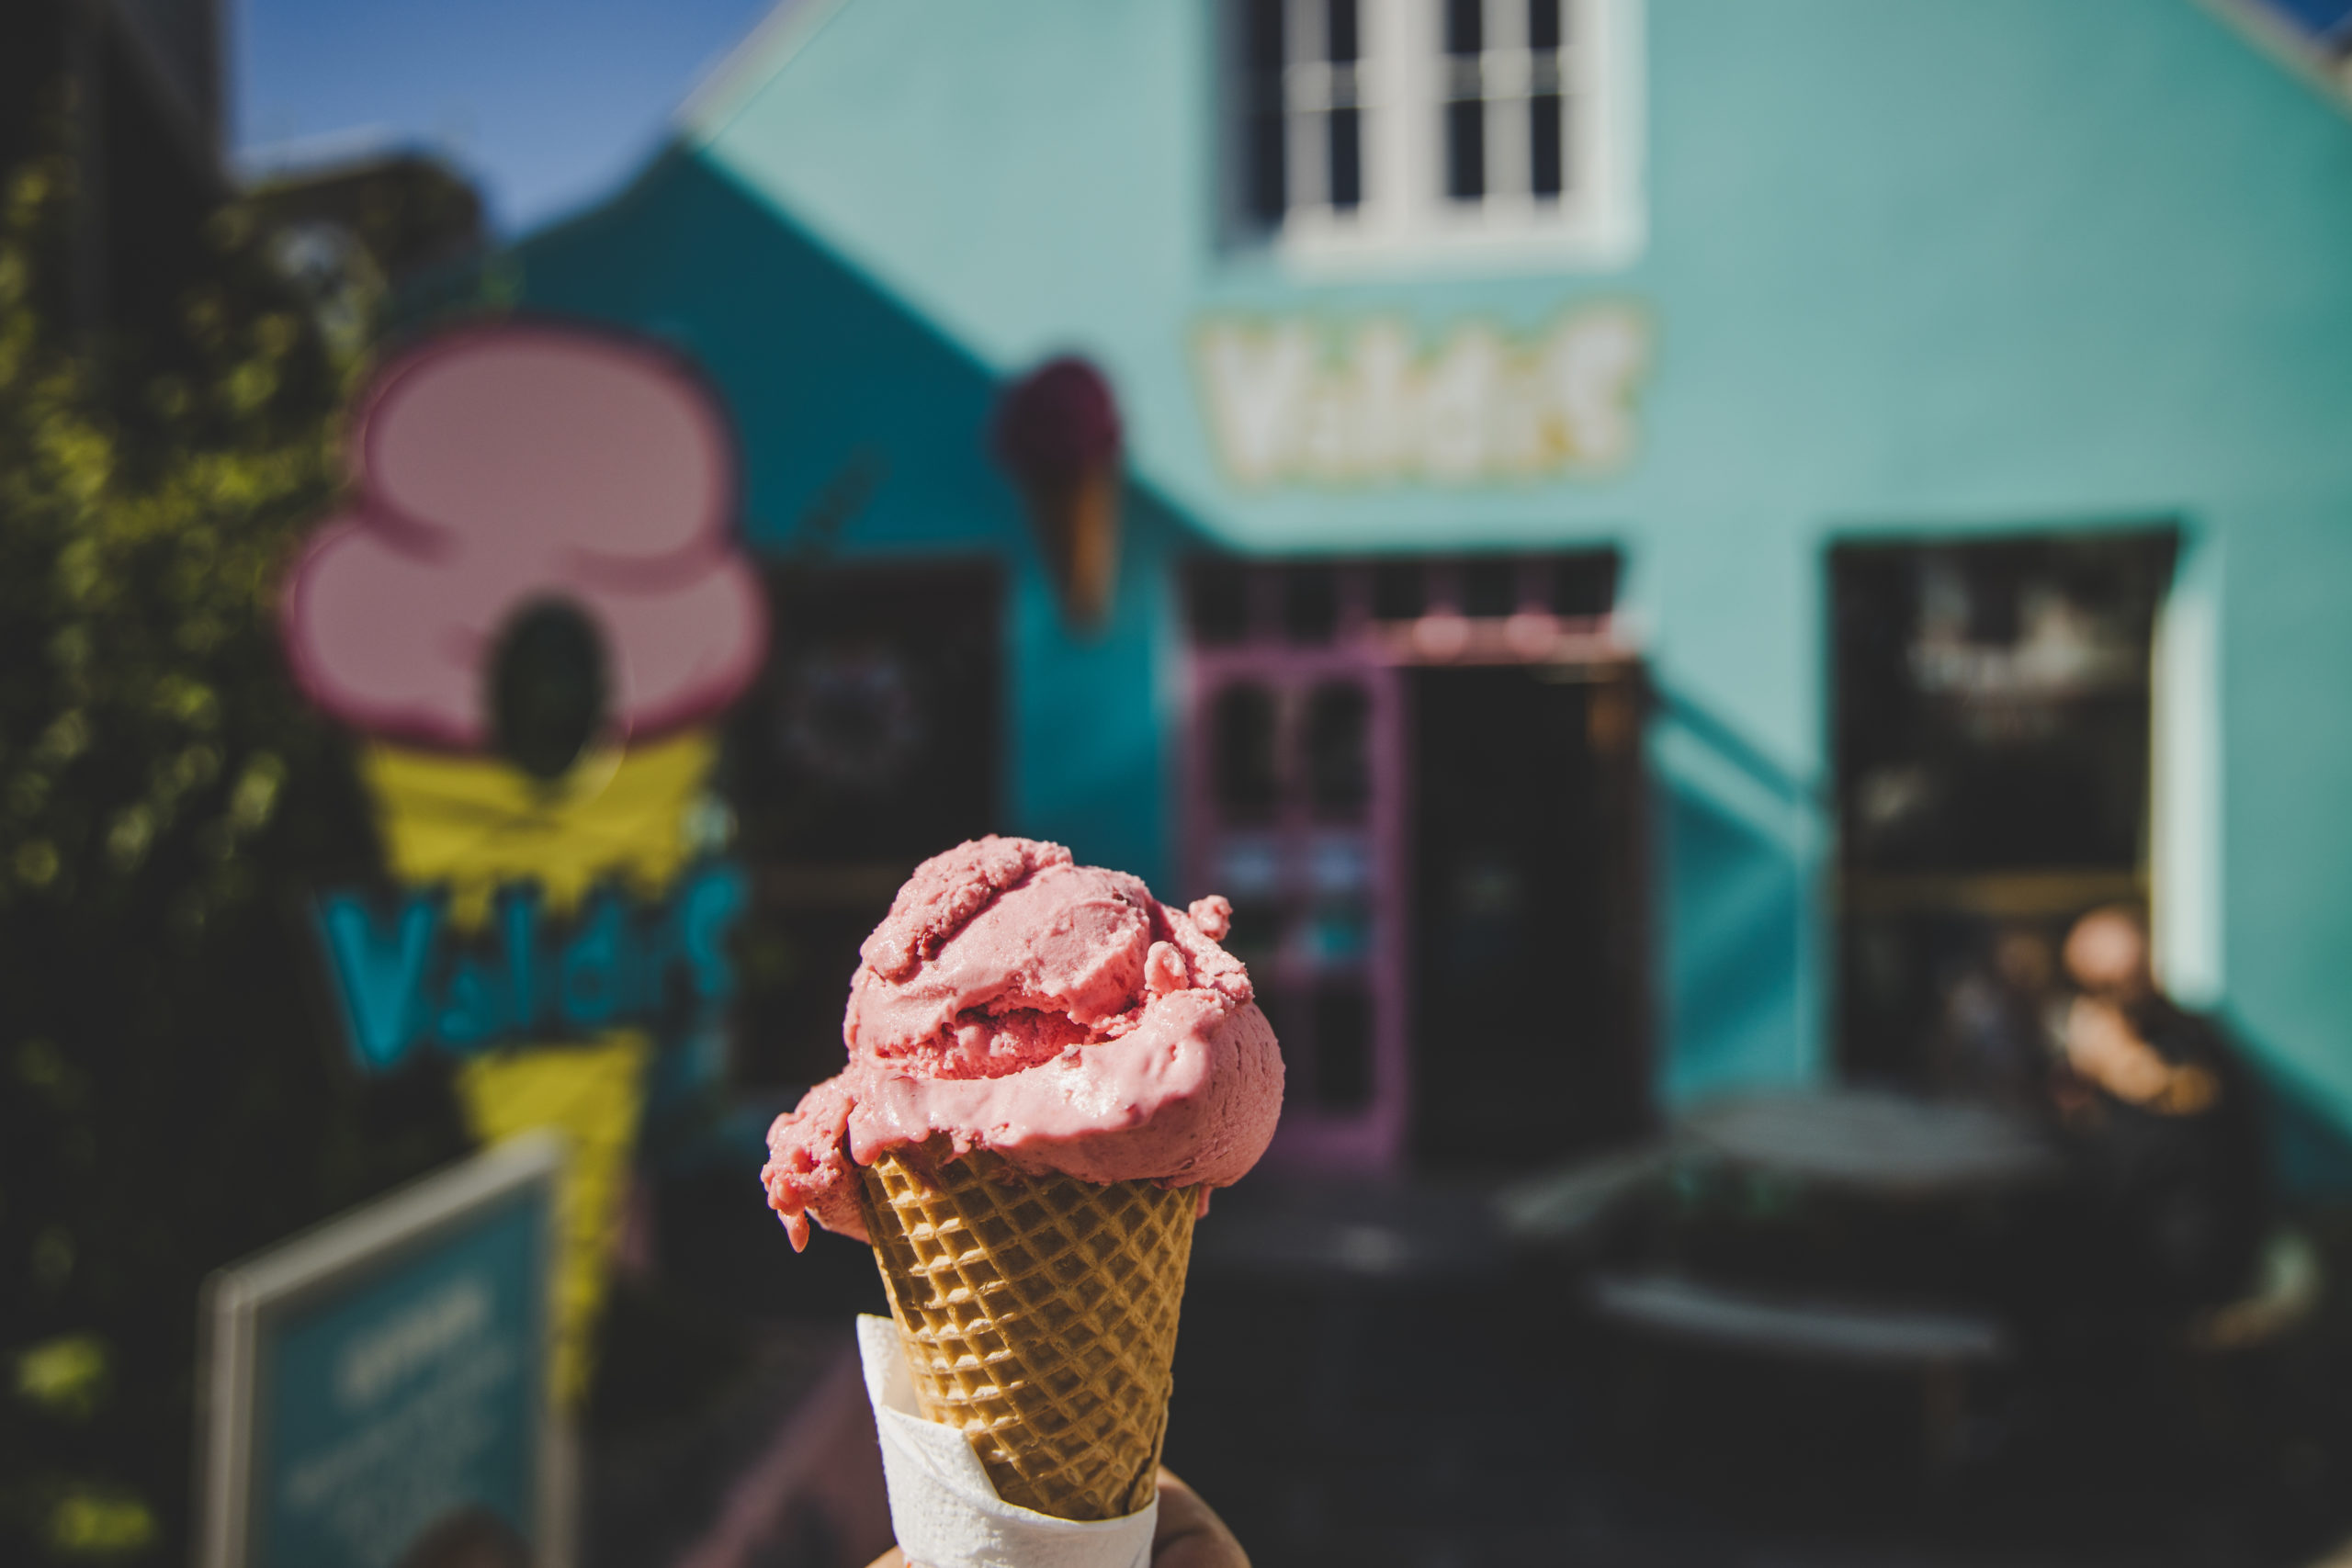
(943,1508)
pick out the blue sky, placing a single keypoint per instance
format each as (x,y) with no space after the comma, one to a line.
(549,104)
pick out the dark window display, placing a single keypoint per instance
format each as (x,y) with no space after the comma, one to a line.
(1338,767)
(870,740)
(1992,719)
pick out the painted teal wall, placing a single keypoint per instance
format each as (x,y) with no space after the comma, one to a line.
(1913,265)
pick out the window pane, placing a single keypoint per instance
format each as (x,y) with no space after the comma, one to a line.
(1466,149)
(1261,37)
(1220,603)
(1339,762)
(1343,1047)
(1241,740)
(1542,24)
(1489,588)
(1347,158)
(1397,590)
(1255,937)
(1465,25)
(1339,30)
(1585,584)
(1310,604)
(1545,149)
(1265,188)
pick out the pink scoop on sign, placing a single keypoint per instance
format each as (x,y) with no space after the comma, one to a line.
(502,466)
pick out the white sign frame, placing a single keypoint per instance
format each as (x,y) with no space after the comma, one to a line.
(236,1299)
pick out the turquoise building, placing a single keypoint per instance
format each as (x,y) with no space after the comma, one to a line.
(1653,536)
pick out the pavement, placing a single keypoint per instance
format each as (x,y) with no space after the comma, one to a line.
(1371,1376)
(1403,1393)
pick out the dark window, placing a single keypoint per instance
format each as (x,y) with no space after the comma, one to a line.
(1310,604)
(1584,585)
(1254,937)
(1338,770)
(1489,588)
(1339,26)
(1346,122)
(1397,590)
(869,741)
(1465,25)
(1265,191)
(1465,114)
(1992,723)
(1466,149)
(1546,151)
(874,679)
(1219,604)
(1347,157)
(1992,703)
(1342,1045)
(1242,756)
(1543,25)
(1546,127)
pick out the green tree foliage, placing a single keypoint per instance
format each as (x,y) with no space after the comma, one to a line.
(168,1099)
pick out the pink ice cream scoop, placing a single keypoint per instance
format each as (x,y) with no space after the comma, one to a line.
(506,466)
(1054,1014)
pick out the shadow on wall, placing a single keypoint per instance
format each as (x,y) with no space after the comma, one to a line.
(1741,841)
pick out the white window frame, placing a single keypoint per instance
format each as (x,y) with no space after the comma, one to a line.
(1405,220)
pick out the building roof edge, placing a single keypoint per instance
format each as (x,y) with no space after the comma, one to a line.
(765,50)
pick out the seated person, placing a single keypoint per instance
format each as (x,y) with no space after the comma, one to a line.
(2160,1121)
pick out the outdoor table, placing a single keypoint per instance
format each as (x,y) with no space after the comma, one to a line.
(1837,1226)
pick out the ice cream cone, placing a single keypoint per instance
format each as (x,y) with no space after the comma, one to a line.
(1077,520)
(472,825)
(1057,433)
(1038,1315)
(1048,1068)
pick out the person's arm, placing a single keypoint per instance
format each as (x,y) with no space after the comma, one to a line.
(2104,1047)
(1189,1534)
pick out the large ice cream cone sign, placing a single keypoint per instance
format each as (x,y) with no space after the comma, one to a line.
(1057,436)
(533,613)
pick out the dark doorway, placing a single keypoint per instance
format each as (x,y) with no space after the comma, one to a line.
(870,743)
(1992,713)
(1528,931)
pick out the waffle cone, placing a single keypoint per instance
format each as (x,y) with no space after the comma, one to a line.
(1039,1317)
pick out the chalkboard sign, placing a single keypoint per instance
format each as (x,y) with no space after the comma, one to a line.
(376,1390)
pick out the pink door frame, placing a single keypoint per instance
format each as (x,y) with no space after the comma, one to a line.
(1304,853)
(1373,655)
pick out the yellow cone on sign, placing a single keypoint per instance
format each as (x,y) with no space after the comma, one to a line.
(591,1094)
(473,825)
